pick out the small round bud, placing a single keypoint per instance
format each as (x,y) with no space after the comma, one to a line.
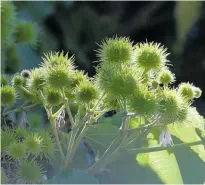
(166,77)
(17,150)
(26,74)
(197,92)
(59,77)
(29,172)
(143,102)
(7,95)
(187,91)
(116,50)
(155,84)
(17,81)
(53,97)
(86,92)
(150,56)
(4,80)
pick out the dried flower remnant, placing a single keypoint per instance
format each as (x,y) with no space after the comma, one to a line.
(60,120)
(165,139)
(24,121)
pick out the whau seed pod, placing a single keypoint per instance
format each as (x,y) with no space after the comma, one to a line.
(8,95)
(116,50)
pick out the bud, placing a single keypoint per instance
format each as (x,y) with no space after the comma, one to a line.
(26,74)
(187,91)
(166,77)
(4,80)
(17,150)
(17,81)
(197,92)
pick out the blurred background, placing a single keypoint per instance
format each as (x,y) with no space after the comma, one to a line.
(76,27)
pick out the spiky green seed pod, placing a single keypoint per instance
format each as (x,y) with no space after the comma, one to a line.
(150,56)
(166,77)
(25,32)
(21,133)
(7,137)
(111,102)
(53,97)
(197,92)
(29,172)
(172,107)
(17,81)
(8,95)
(26,74)
(187,91)
(4,80)
(16,150)
(143,102)
(33,143)
(54,59)
(86,92)
(59,77)
(155,84)
(118,82)
(116,50)
(78,77)
(37,80)
(48,148)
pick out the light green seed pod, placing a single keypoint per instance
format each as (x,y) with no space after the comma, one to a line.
(53,97)
(8,95)
(187,91)
(16,150)
(150,56)
(197,92)
(116,50)
(86,92)
(29,172)
(166,77)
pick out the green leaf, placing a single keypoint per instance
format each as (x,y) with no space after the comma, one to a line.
(187,132)
(163,163)
(100,136)
(74,177)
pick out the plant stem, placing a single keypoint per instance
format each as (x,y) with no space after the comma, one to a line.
(52,120)
(160,148)
(20,109)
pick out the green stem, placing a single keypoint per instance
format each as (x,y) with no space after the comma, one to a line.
(100,99)
(160,148)
(52,120)
(20,109)
(59,111)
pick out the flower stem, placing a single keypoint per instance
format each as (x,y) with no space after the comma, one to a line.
(20,109)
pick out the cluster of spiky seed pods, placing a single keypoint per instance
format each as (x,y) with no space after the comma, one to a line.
(131,78)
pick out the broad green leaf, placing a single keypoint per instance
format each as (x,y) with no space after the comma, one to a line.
(100,136)
(163,163)
(74,177)
(186,132)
